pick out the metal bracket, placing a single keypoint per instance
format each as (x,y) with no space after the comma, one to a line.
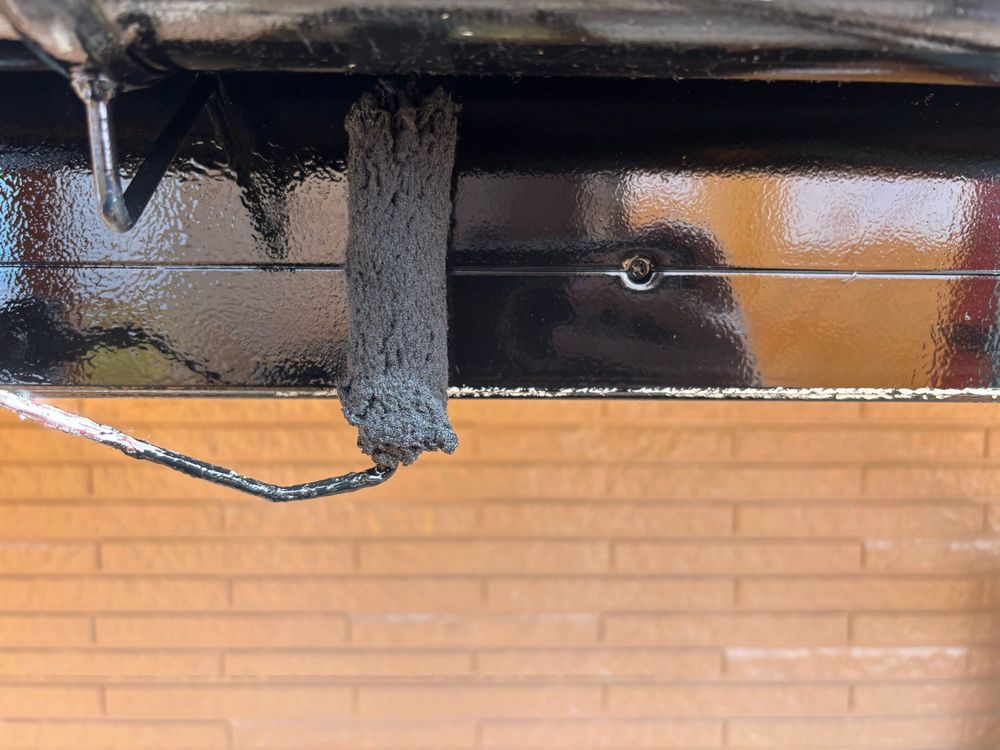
(121,207)
(74,424)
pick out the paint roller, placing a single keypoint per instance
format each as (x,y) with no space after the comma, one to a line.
(399,167)
(395,385)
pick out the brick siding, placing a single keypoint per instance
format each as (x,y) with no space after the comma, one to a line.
(579,575)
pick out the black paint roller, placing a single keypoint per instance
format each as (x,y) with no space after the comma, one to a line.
(399,167)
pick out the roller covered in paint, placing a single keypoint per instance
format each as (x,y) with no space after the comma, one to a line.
(400,161)
(395,388)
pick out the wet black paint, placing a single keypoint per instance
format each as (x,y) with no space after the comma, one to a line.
(233,278)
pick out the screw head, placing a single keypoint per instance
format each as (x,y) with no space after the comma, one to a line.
(639,269)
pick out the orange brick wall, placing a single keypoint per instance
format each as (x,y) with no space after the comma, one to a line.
(580,575)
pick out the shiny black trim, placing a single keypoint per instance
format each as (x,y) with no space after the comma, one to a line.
(800,236)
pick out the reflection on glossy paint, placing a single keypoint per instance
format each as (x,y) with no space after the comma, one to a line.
(818,219)
(868,215)
(822,220)
(190,327)
(185,222)
(909,220)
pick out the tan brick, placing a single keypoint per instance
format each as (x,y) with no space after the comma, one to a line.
(129,480)
(43,482)
(90,521)
(226,445)
(609,664)
(708,557)
(838,663)
(924,697)
(857,592)
(983,661)
(776,412)
(353,735)
(993,518)
(925,628)
(111,735)
(229,701)
(107,664)
(889,732)
(357,594)
(526,411)
(30,443)
(735,482)
(981,731)
(231,557)
(857,519)
(313,663)
(733,412)
(47,557)
(991,592)
(607,519)
(654,411)
(427,481)
(494,602)
(993,444)
(221,630)
(96,593)
(606,594)
(929,413)
(44,630)
(603,733)
(135,413)
(726,700)
(347,518)
(543,556)
(932,555)
(934,481)
(853,444)
(599,442)
(727,629)
(54,701)
(436,630)
(476,701)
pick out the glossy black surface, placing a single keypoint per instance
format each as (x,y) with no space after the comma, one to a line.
(185,327)
(727,331)
(802,235)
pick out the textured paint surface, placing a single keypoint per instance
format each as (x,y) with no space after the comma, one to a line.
(585,574)
(395,384)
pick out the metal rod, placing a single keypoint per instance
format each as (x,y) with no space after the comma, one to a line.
(121,207)
(75,424)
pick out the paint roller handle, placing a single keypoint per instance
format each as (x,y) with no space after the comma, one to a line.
(75,424)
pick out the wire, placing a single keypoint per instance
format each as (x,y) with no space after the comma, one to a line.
(75,424)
